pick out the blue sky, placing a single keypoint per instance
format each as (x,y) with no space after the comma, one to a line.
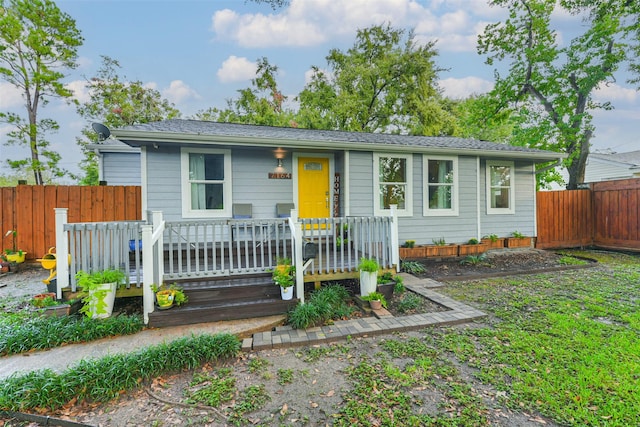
(199,53)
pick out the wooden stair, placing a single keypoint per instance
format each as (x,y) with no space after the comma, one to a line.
(227,298)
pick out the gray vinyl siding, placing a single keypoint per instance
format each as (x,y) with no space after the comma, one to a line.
(250,184)
(524,218)
(602,170)
(454,229)
(121,168)
(163,183)
(361,183)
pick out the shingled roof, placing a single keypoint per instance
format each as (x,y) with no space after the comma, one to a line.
(195,131)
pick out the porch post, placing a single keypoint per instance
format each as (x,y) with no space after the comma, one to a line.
(395,244)
(147,272)
(297,253)
(62,252)
(157,223)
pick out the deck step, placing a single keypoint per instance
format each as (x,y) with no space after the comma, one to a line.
(213,312)
(230,290)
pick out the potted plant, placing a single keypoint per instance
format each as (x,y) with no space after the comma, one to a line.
(376,300)
(410,250)
(518,240)
(493,241)
(440,248)
(167,297)
(100,291)
(368,275)
(44,300)
(472,247)
(386,284)
(14,254)
(283,276)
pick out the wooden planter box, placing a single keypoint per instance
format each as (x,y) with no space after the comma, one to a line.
(415,252)
(441,251)
(464,250)
(515,242)
(498,244)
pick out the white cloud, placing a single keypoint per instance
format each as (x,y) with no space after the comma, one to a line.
(80,90)
(178,91)
(464,87)
(613,92)
(11,96)
(235,69)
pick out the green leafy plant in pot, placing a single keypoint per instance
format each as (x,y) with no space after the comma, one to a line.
(167,297)
(14,254)
(376,300)
(100,291)
(368,275)
(283,275)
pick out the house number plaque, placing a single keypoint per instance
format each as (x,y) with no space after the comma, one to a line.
(279,175)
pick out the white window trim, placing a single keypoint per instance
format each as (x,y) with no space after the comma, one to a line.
(379,211)
(512,188)
(454,211)
(187,212)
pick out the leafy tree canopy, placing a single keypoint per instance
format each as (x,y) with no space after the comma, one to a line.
(116,102)
(37,43)
(550,85)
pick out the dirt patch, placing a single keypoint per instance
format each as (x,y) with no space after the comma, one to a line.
(497,263)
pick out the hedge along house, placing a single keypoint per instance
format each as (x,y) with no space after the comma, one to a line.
(228,199)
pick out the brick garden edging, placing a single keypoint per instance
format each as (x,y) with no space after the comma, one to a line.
(286,336)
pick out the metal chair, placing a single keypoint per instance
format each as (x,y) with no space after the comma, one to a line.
(283,210)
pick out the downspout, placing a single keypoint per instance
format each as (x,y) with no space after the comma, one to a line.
(478,207)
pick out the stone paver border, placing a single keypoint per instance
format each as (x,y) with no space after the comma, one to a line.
(286,336)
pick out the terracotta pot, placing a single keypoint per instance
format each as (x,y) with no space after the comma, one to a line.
(375,304)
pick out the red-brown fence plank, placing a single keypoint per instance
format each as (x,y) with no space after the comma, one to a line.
(564,219)
(30,211)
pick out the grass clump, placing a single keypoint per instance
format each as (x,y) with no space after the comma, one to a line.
(19,334)
(327,303)
(412,267)
(213,390)
(105,378)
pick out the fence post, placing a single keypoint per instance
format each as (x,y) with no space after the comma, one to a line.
(62,252)
(395,244)
(147,271)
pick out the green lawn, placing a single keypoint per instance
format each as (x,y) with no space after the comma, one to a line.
(565,344)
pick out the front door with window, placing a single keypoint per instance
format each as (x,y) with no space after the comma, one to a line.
(314,197)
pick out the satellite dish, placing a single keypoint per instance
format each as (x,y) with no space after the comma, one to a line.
(102,131)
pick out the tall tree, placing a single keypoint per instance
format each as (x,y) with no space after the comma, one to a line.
(262,103)
(552,85)
(386,82)
(37,43)
(116,102)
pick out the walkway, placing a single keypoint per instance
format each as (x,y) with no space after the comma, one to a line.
(286,336)
(61,358)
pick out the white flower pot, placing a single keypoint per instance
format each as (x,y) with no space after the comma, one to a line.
(286,293)
(109,299)
(368,282)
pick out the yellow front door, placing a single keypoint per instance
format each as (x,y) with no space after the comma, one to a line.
(314,197)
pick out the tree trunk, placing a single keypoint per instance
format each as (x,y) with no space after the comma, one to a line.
(578,165)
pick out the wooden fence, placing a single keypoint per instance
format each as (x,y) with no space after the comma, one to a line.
(30,211)
(606,215)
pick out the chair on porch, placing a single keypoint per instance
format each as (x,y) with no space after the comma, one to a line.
(283,210)
(240,211)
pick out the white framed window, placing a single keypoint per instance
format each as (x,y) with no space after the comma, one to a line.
(500,187)
(206,183)
(440,189)
(392,183)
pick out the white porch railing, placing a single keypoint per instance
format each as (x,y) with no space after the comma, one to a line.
(175,250)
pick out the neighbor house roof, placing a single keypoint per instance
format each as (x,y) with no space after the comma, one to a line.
(195,132)
(630,158)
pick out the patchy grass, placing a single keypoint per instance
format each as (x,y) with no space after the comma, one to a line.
(565,344)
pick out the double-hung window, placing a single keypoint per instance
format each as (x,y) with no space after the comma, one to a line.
(440,186)
(500,187)
(206,183)
(392,183)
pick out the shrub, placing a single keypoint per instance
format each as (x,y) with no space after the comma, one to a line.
(328,302)
(412,267)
